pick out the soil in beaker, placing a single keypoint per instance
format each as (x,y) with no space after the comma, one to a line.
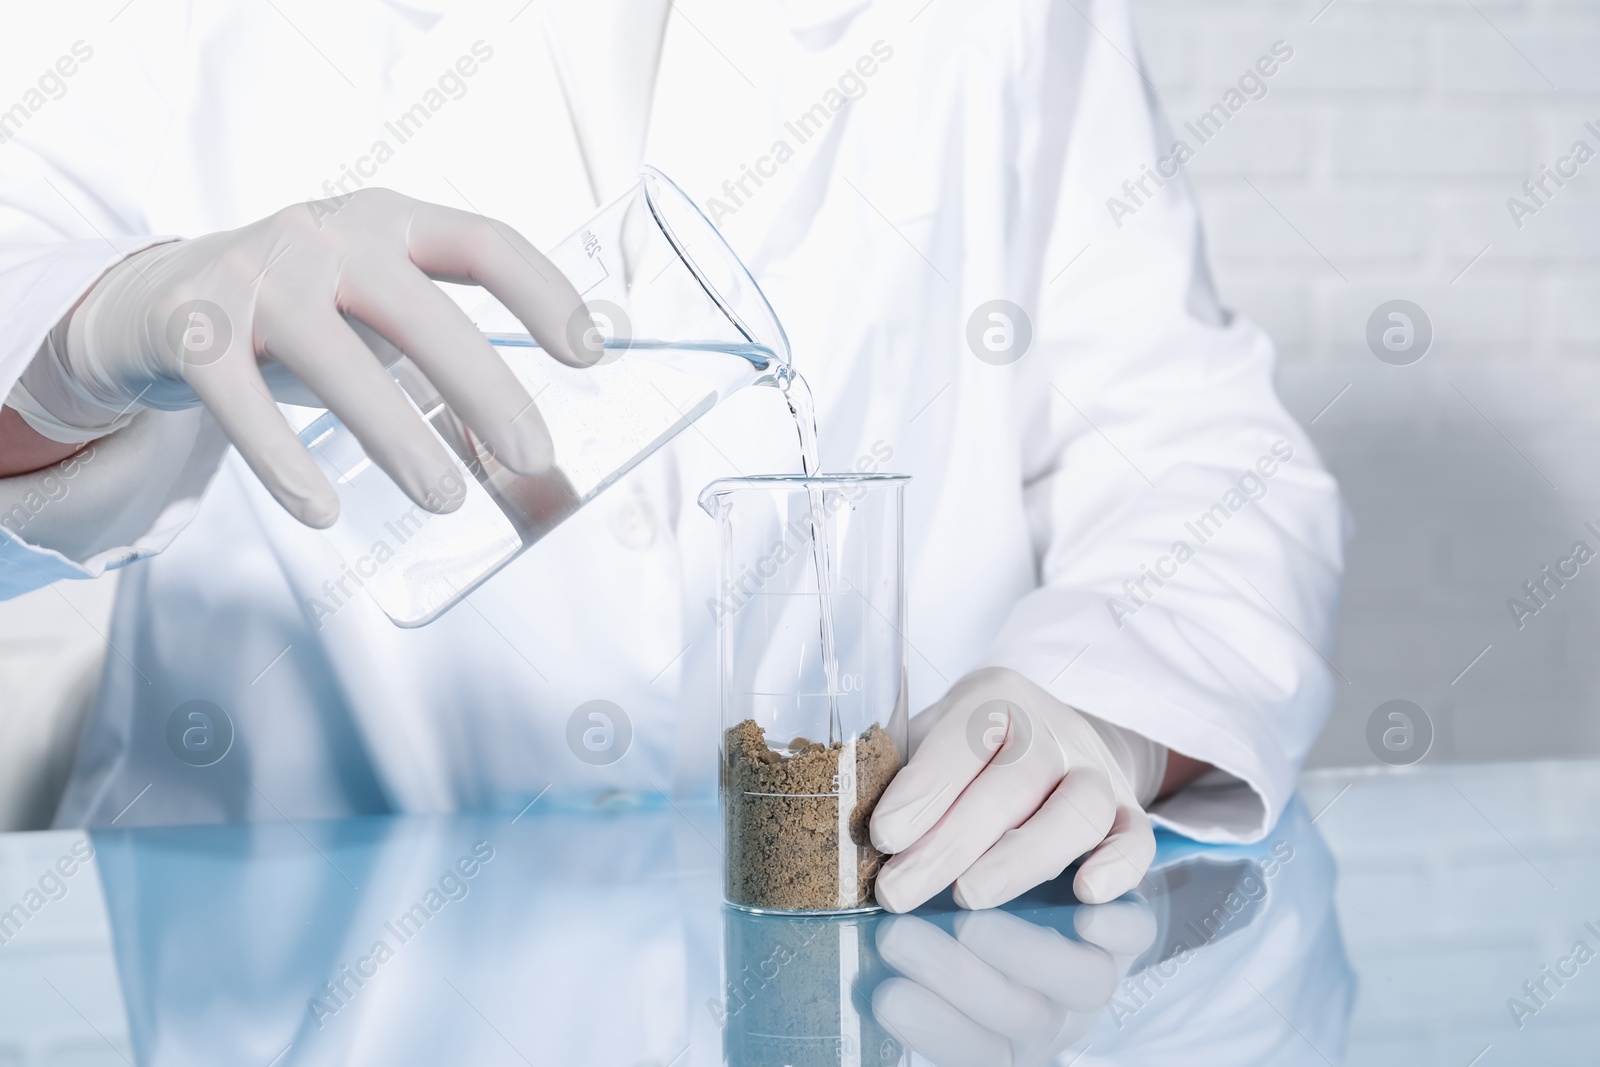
(783,813)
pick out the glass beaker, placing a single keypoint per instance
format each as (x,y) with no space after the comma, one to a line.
(677,325)
(810,614)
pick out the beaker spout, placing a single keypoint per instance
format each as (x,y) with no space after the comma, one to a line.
(710,499)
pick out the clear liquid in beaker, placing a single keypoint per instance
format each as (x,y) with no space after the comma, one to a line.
(603,420)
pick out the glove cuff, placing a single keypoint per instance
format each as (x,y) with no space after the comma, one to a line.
(1142,760)
(52,402)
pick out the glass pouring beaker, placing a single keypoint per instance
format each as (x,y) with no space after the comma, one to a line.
(810,565)
(677,325)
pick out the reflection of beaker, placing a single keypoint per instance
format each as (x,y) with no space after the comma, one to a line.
(678,324)
(808,746)
(797,991)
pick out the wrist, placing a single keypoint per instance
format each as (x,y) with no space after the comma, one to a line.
(96,366)
(54,405)
(1142,761)
(23,450)
(1182,771)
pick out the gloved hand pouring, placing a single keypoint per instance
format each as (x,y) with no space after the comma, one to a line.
(329,292)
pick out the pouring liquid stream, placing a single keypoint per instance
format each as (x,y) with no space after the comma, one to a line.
(603,420)
(802,406)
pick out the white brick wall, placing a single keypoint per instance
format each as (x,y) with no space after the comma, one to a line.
(1391,140)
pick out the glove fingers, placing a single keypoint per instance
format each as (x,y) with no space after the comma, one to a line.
(949,970)
(955,751)
(1073,820)
(1075,975)
(233,390)
(1119,864)
(927,1024)
(457,245)
(425,324)
(1001,798)
(1122,927)
(328,356)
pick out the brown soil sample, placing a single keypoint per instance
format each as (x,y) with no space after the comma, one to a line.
(783,819)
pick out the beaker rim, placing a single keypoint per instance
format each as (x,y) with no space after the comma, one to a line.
(791,482)
(770,334)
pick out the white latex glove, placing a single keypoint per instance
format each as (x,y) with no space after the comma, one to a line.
(199,321)
(1008,787)
(1004,990)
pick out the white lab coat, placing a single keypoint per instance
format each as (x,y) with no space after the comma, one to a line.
(974,163)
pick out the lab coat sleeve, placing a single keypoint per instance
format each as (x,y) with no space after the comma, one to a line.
(1188,539)
(72,171)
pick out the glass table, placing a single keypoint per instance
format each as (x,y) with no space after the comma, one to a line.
(1394,918)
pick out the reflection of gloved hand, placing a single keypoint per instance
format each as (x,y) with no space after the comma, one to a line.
(197,322)
(1003,990)
(1007,788)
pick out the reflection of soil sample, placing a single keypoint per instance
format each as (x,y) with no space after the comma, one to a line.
(783,819)
(798,992)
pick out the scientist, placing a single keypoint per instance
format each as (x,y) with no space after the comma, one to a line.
(1114,525)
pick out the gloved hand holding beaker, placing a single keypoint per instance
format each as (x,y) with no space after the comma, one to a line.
(216,319)
(1006,787)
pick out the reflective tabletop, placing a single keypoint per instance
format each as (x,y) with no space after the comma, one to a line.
(1442,915)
